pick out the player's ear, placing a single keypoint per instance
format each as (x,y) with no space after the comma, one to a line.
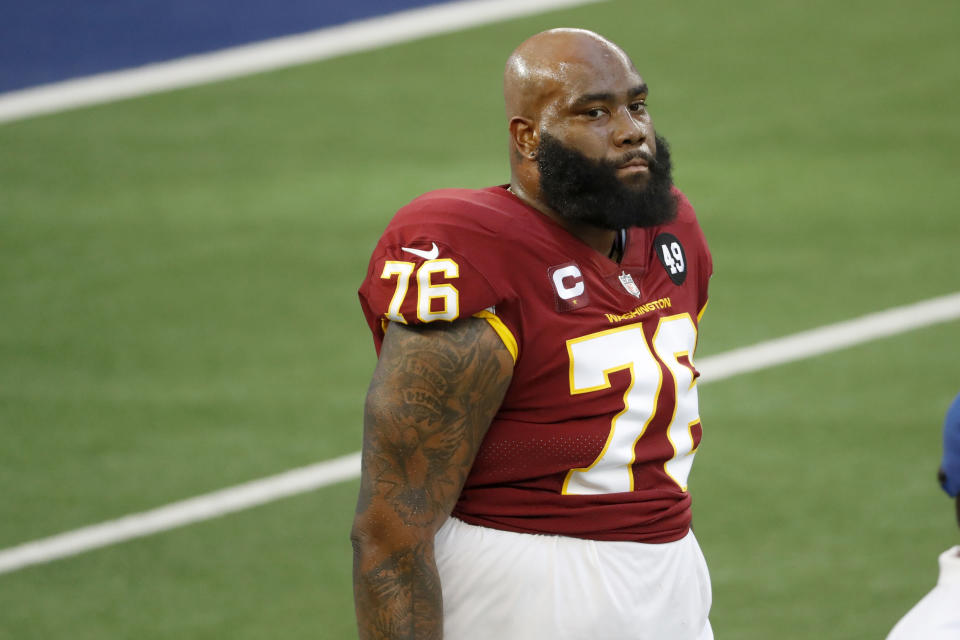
(524,136)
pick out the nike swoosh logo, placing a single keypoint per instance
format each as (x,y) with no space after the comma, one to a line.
(426,255)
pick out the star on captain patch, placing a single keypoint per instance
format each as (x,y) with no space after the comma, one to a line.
(627,281)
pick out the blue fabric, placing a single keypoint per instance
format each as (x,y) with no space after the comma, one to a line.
(951,449)
(49,40)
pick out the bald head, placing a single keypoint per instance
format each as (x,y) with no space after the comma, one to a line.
(582,143)
(546,63)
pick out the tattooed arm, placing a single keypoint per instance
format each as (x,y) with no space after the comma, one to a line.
(433,395)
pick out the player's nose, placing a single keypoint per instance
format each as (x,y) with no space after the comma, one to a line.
(628,129)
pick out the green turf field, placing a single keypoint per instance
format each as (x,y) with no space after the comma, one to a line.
(178,311)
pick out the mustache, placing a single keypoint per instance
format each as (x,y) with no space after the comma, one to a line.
(634,155)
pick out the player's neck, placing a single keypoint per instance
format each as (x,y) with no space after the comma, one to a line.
(600,240)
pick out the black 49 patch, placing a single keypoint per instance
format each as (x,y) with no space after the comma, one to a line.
(672,256)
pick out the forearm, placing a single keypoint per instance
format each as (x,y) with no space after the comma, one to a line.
(397,594)
(433,395)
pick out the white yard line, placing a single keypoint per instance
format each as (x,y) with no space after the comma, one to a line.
(179,514)
(267,55)
(257,492)
(834,337)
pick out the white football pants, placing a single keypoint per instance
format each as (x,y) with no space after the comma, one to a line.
(517,586)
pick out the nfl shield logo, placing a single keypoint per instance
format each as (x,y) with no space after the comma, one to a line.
(627,281)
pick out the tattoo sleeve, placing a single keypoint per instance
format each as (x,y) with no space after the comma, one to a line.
(433,395)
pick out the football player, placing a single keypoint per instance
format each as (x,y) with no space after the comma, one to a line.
(937,615)
(533,417)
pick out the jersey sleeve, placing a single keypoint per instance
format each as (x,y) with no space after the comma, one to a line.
(431,266)
(704,271)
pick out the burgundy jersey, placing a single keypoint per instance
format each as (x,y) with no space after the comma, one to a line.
(597,433)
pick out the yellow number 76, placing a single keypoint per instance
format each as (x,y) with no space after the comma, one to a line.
(448,307)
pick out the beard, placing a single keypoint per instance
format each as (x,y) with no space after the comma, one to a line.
(583,190)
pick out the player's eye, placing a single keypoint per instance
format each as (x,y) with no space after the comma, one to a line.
(638,105)
(595,113)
